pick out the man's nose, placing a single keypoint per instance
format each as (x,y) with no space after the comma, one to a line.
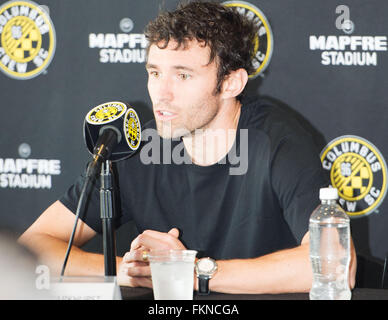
(165,91)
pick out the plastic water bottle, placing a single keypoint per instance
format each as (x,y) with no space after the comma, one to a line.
(329,249)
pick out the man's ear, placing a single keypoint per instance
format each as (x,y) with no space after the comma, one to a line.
(234,83)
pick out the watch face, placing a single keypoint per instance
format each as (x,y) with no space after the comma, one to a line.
(206,266)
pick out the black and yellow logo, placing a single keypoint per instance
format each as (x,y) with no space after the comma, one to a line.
(27,39)
(106,112)
(358,171)
(264,39)
(132,129)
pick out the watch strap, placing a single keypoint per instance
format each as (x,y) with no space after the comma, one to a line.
(203,285)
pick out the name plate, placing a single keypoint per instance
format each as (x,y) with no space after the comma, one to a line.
(85,288)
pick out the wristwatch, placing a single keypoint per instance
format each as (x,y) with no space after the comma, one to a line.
(205,269)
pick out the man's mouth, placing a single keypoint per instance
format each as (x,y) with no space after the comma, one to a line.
(165,115)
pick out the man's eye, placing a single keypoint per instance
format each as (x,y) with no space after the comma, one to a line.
(184,76)
(154,74)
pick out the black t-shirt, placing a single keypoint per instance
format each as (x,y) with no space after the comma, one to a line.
(223,215)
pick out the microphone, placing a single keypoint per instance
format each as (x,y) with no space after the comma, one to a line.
(103,128)
(112,131)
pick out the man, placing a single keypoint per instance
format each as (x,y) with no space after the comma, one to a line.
(253,223)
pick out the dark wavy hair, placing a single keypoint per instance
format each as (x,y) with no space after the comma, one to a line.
(229,35)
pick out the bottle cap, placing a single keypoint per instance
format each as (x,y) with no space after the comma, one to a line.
(328,193)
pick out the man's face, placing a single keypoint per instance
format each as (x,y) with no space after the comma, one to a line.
(181,84)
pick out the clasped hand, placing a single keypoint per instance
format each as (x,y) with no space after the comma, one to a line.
(134,270)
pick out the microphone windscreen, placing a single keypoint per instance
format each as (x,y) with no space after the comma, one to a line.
(114,114)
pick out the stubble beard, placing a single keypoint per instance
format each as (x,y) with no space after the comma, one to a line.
(192,122)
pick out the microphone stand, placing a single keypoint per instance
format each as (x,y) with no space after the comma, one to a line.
(107,207)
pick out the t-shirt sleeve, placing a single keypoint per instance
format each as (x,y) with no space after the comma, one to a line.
(91,212)
(297,175)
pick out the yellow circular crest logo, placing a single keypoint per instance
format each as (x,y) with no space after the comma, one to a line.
(264,38)
(359,172)
(27,39)
(106,112)
(132,129)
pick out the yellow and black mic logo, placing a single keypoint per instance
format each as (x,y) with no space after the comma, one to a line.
(359,172)
(106,112)
(264,38)
(132,129)
(27,39)
(120,117)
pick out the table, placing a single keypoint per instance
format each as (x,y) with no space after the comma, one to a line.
(357,294)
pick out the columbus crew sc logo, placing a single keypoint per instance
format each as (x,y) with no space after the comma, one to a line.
(132,129)
(27,39)
(358,170)
(264,38)
(106,112)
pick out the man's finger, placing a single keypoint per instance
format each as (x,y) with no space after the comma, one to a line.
(145,282)
(138,269)
(162,235)
(135,255)
(174,232)
(124,280)
(147,240)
